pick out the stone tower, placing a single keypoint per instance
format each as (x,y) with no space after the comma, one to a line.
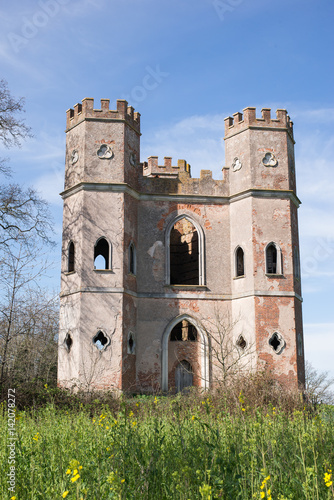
(162,273)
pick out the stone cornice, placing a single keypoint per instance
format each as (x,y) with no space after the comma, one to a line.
(180,197)
(254,127)
(195,295)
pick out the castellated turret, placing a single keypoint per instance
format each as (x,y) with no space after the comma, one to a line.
(157,264)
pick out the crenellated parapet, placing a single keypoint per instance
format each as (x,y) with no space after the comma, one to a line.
(248,119)
(151,167)
(85,111)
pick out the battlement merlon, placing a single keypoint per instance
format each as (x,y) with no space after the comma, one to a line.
(248,119)
(151,168)
(85,110)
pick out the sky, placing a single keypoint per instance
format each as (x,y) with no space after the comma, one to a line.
(185,65)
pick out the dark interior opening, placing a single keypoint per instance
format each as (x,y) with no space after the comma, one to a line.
(240,262)
(275,342)
(101,250)
(271,259)
(71,257)
(184,254)
(183,331)
(100,340)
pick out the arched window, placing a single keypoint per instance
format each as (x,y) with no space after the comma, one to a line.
(102,254)
(183,331)
(71,257)
(239,262)
(184,252)
(132,259)
(273,259)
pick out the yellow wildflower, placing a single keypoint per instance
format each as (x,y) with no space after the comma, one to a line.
(328,478)
(75,472)
(193,417)
(263,494)
(68,471)
(80,466)
(64,495)
(75,478)
(123,481)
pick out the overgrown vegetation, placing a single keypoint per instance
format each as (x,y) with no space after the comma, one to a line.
(258,442)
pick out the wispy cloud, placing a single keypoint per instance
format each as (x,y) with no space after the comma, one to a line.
(197,139)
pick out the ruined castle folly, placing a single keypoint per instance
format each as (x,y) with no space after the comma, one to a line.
(169,281)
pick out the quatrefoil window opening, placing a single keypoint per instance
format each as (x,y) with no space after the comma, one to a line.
(277,343)
(100,340)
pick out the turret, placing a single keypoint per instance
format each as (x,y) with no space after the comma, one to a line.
(260,151)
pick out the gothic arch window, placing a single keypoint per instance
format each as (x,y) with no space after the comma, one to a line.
(102,254)
(132,259)
(71,257)
(239,262)
(184,252)
(183,331)
(273,259)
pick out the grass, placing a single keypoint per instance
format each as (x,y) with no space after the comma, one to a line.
(184,447)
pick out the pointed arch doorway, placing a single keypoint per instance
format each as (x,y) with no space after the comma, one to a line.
(199,366)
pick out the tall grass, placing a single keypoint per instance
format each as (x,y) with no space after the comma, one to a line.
(184,447)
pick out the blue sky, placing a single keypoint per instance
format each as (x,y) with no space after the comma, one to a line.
(185,65)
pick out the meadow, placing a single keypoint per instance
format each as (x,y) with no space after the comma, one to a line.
(195,446)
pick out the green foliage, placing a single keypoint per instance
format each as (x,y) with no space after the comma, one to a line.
(185,447)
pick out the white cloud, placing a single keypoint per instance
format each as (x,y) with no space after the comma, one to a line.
(197,139)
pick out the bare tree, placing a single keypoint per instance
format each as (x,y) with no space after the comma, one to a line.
(22,211)
(24,313)
(318,385)
(12,129)
(230,354)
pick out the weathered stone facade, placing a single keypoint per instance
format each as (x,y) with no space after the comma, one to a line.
(159,269)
